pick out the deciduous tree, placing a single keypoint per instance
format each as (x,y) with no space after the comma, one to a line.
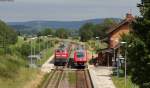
(139,48)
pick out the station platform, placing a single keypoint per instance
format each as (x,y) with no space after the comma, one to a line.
(101,77)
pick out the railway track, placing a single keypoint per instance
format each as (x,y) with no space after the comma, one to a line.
(58,77)
(55,78)
(83,79)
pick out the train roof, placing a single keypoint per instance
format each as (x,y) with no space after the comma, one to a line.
(80,50)
(62,46)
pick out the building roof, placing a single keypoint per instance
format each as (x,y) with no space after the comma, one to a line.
(116,27)
(129,19)
(108,50)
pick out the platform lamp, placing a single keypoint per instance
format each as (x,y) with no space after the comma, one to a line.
(125,61)
(97,38)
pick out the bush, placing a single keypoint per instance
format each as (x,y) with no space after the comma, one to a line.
(25,49)
(9,67)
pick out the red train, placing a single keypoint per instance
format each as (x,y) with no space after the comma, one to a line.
(62,55)
(80,58)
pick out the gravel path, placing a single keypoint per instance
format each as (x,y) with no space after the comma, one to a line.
(101,77)
(48,65)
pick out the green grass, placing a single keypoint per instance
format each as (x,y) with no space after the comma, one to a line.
(45,56)
(13,70)
(120,82)
(44,81)
(95,44)
(22,78)
(13,73)
(19,42)
(72,77)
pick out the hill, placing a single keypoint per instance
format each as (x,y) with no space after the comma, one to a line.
(37,25)
(7,34)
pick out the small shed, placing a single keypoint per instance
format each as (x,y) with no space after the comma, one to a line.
(33,60)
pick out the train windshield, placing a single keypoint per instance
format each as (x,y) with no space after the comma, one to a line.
(80,54)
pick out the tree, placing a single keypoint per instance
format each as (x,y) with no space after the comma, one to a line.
(86,32)
(7,34)
(139,48)
(45,32)
(25,49)
(62,33)
(100,30)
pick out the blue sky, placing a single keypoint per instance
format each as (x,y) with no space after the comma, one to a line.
(65,10)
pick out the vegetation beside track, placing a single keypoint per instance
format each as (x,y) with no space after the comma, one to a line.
(44,81)
(23,76)
(72,77)
(120,82)
(14,69)
(47,53)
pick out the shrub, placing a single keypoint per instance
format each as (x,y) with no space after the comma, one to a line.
(9,66)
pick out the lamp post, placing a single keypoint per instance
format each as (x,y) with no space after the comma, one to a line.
(125,63)
(97,38)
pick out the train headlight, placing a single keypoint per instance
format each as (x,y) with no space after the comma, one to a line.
(64,55)
(57,55)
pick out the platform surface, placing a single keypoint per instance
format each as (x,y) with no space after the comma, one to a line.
(101,77)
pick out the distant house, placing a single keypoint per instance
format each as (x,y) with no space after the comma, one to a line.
(106,56)
(124,27)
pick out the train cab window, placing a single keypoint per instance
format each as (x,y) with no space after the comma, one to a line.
(62,50)
(57,50)
(80,54)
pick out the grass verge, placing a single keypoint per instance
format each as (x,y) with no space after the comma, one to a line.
(24,75)
(120,82)
(72,77)
(44,81)
(46,54)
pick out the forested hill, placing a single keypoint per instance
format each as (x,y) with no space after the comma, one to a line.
(7,34)
(36,25)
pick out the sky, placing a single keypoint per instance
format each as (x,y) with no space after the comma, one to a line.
(65,10)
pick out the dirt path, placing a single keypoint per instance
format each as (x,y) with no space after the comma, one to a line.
(48,65)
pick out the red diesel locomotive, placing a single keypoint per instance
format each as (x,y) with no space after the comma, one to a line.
(80,57)
(61,55)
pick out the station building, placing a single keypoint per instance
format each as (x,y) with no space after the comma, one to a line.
(108,55)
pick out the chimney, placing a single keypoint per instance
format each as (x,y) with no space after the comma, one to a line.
(129,17)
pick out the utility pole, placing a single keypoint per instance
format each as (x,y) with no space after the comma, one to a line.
(31,52)
(39,36)
(125,66)
(34,46)
(5,43)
